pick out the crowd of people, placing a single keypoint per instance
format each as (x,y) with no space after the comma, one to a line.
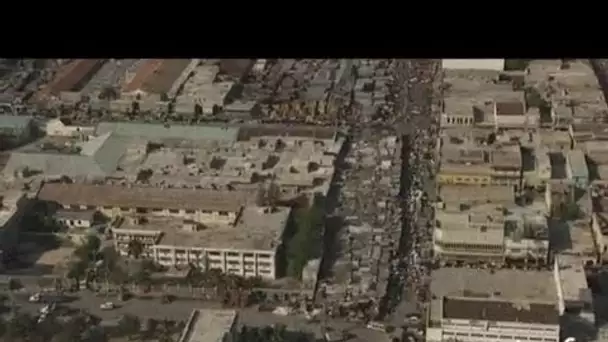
(411,269)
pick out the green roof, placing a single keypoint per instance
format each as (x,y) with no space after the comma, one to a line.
(159,131)
(14,121)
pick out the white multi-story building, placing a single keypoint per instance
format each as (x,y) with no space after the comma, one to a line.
(472,305)
(178,227)
(203,206)
(249,247)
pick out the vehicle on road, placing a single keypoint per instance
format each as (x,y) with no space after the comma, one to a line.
(107,306)
(47,309)
(35,298)
(376,326)
(41,318)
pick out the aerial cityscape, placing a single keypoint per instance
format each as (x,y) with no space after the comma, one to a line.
(301,200)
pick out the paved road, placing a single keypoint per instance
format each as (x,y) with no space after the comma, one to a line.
(143,308)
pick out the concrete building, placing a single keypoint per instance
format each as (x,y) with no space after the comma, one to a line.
(156,80)
(510,111)
(482,225)
(584,132)
(459,112)
(76,219)
(542,165)
(56,127)
(476,165)
(506,163)
(474,64)
(576,168)
(177,227)
(76,157)
(71,79)
(251,246)
(203,90)
(474,305)
(205,325)
(15,130)
(206,207)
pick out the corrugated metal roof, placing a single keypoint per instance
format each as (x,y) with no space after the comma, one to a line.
(157,131)
(157,76)
(14,121)
(71,165)
(98,157)
(74,74)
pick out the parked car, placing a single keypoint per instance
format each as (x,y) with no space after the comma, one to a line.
(35,298)
(107,306)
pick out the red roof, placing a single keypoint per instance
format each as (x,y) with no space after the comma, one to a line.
(144,72)
(72,74)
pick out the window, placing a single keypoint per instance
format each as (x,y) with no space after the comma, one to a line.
(174,211)
(223,213)
(189,211)
(124,209)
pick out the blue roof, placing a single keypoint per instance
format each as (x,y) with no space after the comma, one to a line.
(14,121)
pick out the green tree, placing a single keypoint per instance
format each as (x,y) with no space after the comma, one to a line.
(77,270)
(129,325)
(135,248)
(20,327)
(151,328)
(305,244)
(89,250)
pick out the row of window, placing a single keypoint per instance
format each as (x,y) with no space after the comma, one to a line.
(460,120)
(465,246)
(502,337)
(157,210)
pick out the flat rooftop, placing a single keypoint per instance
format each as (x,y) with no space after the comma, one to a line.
(205,325)
(257,228)
(478,283)
(142,197)
(478,194)
(497,310)
(478,294)
(474,64)
(159,132)
(573,280)
(578,164)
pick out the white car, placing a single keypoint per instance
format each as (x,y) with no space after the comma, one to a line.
(35,298)
(47,309)
(107,306)
(41,318)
